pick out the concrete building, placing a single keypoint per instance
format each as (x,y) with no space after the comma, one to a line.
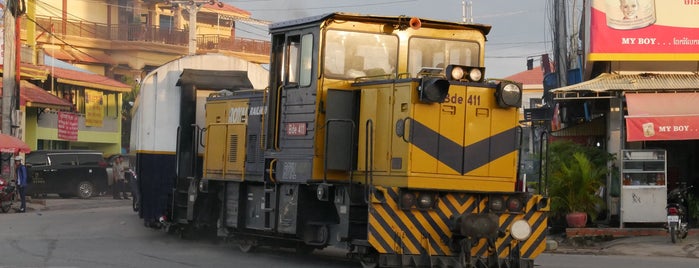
(113,44)
(642,91)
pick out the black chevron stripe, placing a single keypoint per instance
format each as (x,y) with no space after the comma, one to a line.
(460,158)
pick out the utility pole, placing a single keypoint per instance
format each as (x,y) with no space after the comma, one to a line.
(192,7)
(9,81)
(561,42)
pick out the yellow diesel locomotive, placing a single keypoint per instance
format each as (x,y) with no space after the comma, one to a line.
(376,134)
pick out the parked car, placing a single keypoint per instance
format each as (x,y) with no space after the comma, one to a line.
(68,173)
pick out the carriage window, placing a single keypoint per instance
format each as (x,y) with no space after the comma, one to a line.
(292,60)
(349,55)
(436,53)
(306,59)
(299,60)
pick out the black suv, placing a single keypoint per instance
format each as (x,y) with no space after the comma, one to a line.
(68,173)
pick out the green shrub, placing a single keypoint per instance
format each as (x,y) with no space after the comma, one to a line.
(576,174)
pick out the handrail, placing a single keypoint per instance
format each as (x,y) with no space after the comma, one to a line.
(196,131)
(520,130)
(178,154)
(276,121)
(374,77)
(262,119)
(368,160)
(271,171)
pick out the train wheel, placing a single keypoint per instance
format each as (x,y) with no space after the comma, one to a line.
(304,249)
(246,246)
(369,264)
(369,260)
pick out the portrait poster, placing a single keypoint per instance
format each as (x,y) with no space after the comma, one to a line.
(650,30)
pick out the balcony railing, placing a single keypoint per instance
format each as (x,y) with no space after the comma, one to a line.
(143,33)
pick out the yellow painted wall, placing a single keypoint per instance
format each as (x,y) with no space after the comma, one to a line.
(89,10)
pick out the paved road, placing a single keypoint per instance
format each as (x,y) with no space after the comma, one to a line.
(659,246)
(103,232)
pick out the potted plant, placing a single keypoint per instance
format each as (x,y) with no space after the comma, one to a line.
(574,183)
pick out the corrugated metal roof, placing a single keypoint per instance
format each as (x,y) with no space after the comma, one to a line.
(73,77)
(636,82)
(34,96)
(340,16)
(88,80)
(534,76)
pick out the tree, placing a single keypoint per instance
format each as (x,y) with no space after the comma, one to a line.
(127,103)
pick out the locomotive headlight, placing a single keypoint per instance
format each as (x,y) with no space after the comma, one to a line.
(457,73)
(514,204)
(475,74)
(520,230)
(433,89)
(407,200)
(425,201)
(497,204)
(509,94)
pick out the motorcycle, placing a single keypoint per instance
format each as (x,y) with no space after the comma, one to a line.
(677,213)
(7,195)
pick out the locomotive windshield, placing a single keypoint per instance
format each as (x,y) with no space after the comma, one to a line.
(438,53)
(349,55)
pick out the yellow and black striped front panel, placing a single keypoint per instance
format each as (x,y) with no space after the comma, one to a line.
(393,230)
(467,134)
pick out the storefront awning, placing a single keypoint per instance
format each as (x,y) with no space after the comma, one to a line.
(88,80)
(72,77)
(59,53)
(662,116)
(605,85)
(34,96)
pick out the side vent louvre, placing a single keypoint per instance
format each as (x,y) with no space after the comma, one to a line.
(252,148)
(232,155)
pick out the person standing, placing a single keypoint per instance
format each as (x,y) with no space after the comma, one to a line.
(21,183)
(117,186)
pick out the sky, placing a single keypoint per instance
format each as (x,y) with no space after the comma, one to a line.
(520,27)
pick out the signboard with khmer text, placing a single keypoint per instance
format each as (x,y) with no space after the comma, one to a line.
(94,110)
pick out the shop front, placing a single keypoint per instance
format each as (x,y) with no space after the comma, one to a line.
(652,127)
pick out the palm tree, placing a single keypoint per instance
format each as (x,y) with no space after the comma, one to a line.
(574,185)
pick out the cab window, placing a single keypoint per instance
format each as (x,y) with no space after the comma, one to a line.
(438,53)
(349,55)
(299,58)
